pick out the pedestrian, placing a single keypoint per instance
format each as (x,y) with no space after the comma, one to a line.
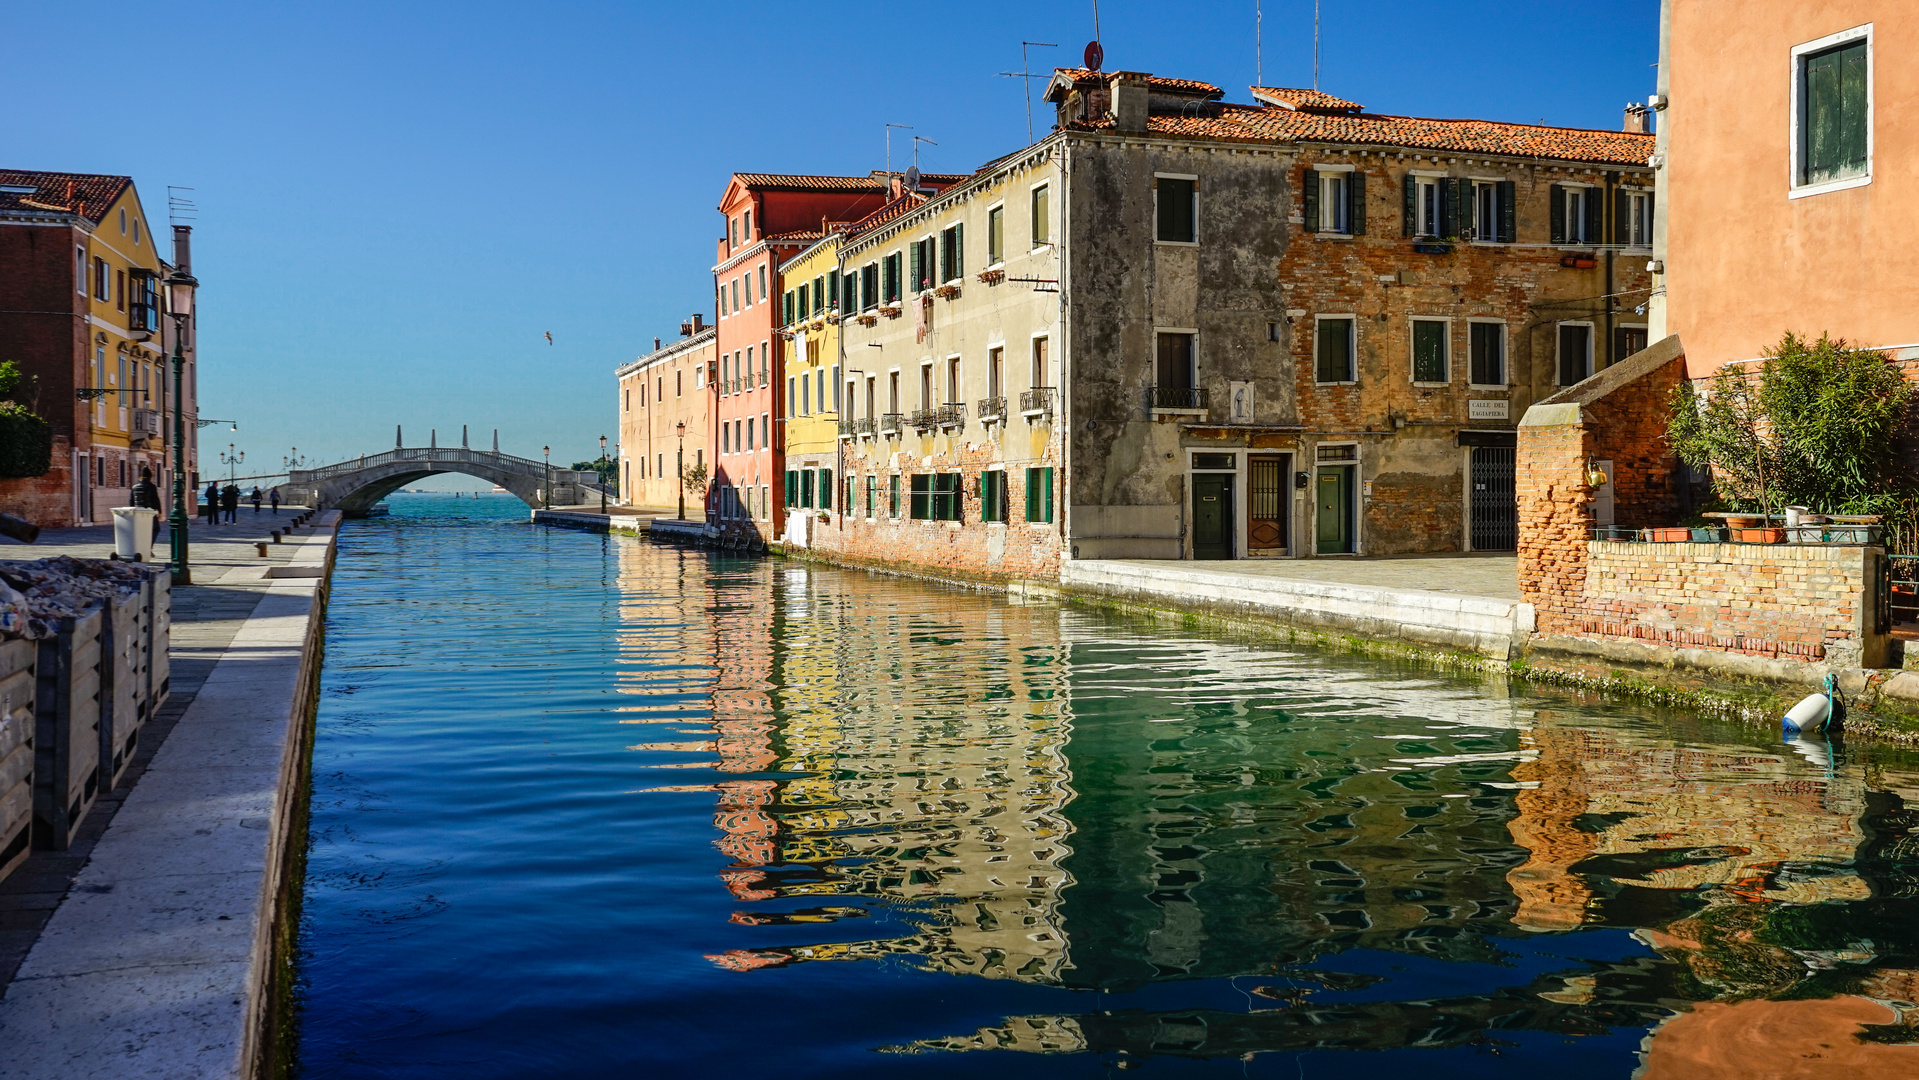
(213,502)
(230,502)
(275,496)
(147,495)
(256,498)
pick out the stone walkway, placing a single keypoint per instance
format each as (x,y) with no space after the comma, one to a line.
(1492,574)
(206,616)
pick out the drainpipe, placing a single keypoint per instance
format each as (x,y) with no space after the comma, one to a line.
(1607,214)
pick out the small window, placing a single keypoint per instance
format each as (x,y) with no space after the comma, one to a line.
(891,278)
(1489,354)
(1039,494)
(1575,352)
(1427,206)
(1626,341)
(763,292)
(952,380)
(992,496)
(869,286)
(736,294)
(123,221)
(1333,360)
(1636,221)
(996,236)
(819,294)
(806,397)
(1577,214)
(1040,372)
(1346,452)
(952,253)
(749,288)
(1177,204)
(1430,362)
(995,373)
(1175,361)
(893,495)
(1333,209)
(1042,217)
(1215,461)
(746,226)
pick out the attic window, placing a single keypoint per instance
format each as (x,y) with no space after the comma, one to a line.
(17,189)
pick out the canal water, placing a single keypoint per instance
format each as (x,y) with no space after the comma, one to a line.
(584,806)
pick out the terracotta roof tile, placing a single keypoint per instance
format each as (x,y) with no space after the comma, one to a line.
(875,181)
(56,192)
(897,208)
(1153,82)
(1305,100)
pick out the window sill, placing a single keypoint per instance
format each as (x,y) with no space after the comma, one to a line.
(1495,388)
(1333,236)
(1176,243)
(1040,249)
(1432,385)
(1830,185)
(1342,382)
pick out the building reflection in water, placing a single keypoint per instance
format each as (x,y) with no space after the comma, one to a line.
(1069,800)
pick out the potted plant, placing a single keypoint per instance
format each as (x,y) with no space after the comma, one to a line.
(1679,535)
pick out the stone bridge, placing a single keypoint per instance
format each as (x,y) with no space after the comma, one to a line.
(352,487)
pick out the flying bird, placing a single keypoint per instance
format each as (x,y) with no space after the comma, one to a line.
(549,337)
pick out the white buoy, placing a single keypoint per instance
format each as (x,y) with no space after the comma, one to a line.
(1810,714)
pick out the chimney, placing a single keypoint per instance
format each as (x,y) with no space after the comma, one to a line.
(899,188)
(183,248)
(656,344)
(699,322)
(1129,100)
(1638,118)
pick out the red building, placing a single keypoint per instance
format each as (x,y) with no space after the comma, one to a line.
(767,219)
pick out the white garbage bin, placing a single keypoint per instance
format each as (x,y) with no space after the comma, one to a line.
(133,532)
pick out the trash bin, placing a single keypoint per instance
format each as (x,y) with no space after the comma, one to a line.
(133,532)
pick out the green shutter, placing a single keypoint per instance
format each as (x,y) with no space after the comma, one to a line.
(959,249)
(1595,215)
(1309,199)
(1558,214)
(913,267)
(1448,209)
(1508,231)
(1410,223)
(1621,217)
(826,489)
(1468,211)
(1048,473)
(1356,202)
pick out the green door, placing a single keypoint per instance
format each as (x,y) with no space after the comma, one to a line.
(1212,515)
(1335,517)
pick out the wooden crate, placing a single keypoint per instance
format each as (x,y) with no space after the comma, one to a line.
(66,737)
(159,638)
(16,753)
(123,684)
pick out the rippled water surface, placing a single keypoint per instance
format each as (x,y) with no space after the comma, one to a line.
(584,806)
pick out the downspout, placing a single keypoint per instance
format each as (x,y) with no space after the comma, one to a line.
(1607,214)
(1064,487)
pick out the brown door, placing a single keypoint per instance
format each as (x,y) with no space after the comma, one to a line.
(1266,502)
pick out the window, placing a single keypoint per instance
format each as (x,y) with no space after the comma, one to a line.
(1334,201)
(1175,361)
(893,495)
(1424,203)
(935,497)
(893,392)
(1577,214)
(1333,349)
(1040,372)
(726,438)
(751,444)
(792,488)
(1429,351)
(836,390)
(850,293)
(826,489)
(892,278)
(786,308)
(749,288)
(80,270)
(806,397)
(736,294)
(952,380)
(1575,352)
(123,221)
(763,293)
(1488,354)
(820,396)
(679,383)
(952,252)
(806,489)
(1833,107)
(996,236)
(1039,494)
(733,223)
(819,294)
(869,286)
(766,365)
(724,310)
(1627,340)
(1176,204)
(922,252)
(992,496)
(102,280)
(996,373)
(1635,218)
(746,226)
(872,493)
(1042,217)
(926,386)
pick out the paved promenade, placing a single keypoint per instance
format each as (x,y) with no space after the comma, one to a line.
(145,949)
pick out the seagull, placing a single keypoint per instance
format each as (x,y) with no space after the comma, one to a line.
(549,337)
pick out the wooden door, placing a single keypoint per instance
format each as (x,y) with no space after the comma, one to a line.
(1212,516)
(1266,502)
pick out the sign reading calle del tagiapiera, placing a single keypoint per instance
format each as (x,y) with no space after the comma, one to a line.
(1488,409)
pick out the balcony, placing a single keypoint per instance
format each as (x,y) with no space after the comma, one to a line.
(951,415)
(924,419)
(863,427)
(145,425)
(890,424)
(848,428)
(1036,402)
(991,409)
(1177,399)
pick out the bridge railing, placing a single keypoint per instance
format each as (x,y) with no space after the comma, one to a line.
(442,455)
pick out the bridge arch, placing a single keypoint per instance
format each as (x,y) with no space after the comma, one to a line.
(352,487)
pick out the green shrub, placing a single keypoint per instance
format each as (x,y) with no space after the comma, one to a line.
(26,442)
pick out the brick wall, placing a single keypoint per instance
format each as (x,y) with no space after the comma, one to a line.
(46,500)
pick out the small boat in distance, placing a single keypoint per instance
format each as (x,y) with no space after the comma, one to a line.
(498,490)
(378,509)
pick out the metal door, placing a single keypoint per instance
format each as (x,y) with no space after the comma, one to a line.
(1266,503)
(1495,512)
(1333,525)
(1212,516)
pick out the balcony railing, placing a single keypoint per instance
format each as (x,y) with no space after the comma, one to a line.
(890,423)
(992,408)
(1177,398)
(924,419)
(863,427)
(951,414)
(1037,400)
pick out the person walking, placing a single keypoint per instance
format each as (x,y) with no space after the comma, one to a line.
(213,502)
(146,494)
(274,496)
(230,502)
(256,498)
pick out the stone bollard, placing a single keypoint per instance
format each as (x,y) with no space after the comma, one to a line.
(261,547)
(276,536)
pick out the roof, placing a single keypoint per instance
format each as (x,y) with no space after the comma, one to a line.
(705,336)
(874,181)
(1263,123)
(898,208)
(1153,82)
(1305,100)
(61,192)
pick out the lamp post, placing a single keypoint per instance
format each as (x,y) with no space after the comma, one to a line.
(232,461)
(292,460)
(602,474)
(546,493)
(180,286)
(679,468)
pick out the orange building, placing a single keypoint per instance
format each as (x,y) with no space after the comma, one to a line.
(1788,175)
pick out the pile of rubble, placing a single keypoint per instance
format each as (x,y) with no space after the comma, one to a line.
(35,596)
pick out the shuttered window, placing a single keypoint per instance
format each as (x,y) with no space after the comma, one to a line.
(1429,351)
(891,278)
(953,252)
(920,497)
(819,294)
(826,489)
(1333,360)
(1832,119)
(1575,353)
(893,495)
(992,496)
(1488,354)
(1042,216)
(1176,203)
(1039,494)
(996,236)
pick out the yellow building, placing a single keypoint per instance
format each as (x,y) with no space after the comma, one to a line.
(809,321)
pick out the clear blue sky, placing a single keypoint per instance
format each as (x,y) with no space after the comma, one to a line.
(398,200)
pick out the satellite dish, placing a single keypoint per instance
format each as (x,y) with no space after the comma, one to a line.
(912,178)
(1095,56)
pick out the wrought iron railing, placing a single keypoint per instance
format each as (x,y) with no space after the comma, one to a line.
(890,423)
(1178,397)
(848,429)
(992,408)
(863,426)
(1038,399)
(924,419)
(951,414)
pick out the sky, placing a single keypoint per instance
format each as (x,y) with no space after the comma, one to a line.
(398,201)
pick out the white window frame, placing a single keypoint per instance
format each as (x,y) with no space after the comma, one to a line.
(1032,192)
(1412,348)
(1797,95)
(1637,198)
(1592,346)
(1352,350)
(1427,220)
(1194,177)
(1576,223)
(959,253)
(1483,187)
(1332,194)
(1505,354)
(992,263)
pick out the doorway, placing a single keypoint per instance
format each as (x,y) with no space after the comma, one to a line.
(1495,510)
(1333,524)
(1212,515)
(1266,504)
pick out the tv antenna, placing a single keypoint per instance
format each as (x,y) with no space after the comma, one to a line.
(1025,73)
(889,147)
(1094,55)
(917,140)
(180,205)
(1259,45)
(1315,44)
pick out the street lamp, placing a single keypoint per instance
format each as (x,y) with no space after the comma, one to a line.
(546,493)
(679,468)
(602,474)
(232,461)
(180,286)
(292,460)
